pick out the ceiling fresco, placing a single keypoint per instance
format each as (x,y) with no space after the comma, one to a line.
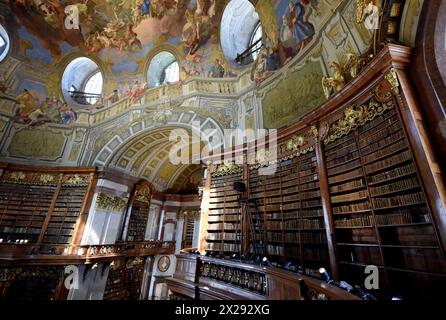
(301,39)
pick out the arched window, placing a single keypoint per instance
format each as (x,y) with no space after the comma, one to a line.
(171,73)
(82,82)
(4,43)
(93,87)
(240,32)
(163,69)
(256,41)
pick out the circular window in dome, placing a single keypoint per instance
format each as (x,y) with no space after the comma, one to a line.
(4,43)
(241,32)
(163,69)
(82,82)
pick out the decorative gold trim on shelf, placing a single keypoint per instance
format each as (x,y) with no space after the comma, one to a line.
(355,117)
(33,178)
(115,203)
(295,143)
(76,180)
(143,195)
(134,262)
(392,78)
(46,178)
(226,168)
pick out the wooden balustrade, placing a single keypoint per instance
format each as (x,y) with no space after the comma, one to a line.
(207,278)
(46,254)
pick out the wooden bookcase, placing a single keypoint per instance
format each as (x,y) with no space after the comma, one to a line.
(43,206)
(224,233)
(290,202)
(379,208)
(357,185)
(139,212)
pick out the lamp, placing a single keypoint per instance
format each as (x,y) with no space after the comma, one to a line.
(265,261)
(325,275)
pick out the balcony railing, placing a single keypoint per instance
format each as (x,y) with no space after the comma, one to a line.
(23,254)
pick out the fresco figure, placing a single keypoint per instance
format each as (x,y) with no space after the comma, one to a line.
(217,70)
(67,114)
(303,31)
(27,104)
(287,38)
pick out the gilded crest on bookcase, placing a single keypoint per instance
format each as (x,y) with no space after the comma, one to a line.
(355,117)
(226,168)
(143,195)
(76,180)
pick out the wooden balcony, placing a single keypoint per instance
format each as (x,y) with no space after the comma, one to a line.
(49,254)
(206,278)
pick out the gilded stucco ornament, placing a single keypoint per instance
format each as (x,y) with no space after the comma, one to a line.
(143,195)
(226,168)
(115,203)
(295,143)
(355,117)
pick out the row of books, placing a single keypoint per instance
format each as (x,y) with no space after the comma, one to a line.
(340,160)
(343,168)
(22,230)
(302,224)
(355,207)
(386,141)
(220,226)
(397,186)
(224,211)
(348,186)
(398,218)
(346,176)
(385,152)
(274,250)
(401,200)
(365,221)
(379,135)
(394,160)
(392,174)
(386,118)
(340,152)
(349,197)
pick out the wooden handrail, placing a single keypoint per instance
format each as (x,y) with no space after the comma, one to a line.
(227,279)
(57,254)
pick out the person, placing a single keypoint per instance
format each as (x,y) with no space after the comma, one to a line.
(27,105)
(272,60)
(113,97)
(217,70)
(303,31)
(286,38)
(67,114)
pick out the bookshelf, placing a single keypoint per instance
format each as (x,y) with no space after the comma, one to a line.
(139,215)
(39,206)
(290,202)
(224,215)
(379,208)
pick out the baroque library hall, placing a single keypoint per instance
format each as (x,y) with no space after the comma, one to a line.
(222,150)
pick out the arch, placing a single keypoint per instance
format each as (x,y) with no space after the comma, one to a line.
(5,44)
(166,47)
(238,23)
(76,73)
(113,142)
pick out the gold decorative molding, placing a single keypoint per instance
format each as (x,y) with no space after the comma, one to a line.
(134,262)
(295,143)
(114,203)
(392,78)
(226,168)
(355,117)
(46,178)
(143,195)
(18,176)
(76,180)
